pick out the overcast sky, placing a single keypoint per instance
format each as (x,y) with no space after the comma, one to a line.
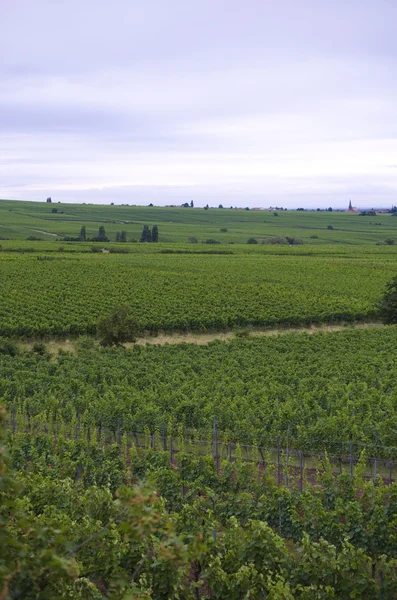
(254,102)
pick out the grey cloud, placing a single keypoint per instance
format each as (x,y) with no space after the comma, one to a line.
(189,91)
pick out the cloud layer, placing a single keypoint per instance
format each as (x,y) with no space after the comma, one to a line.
(256,103)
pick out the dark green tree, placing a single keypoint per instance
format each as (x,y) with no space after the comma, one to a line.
(155,233)
(191,204)
(101,235)
(119,327)
(118,236)
(388,303)
(123,236)
(83,234)
(146,235)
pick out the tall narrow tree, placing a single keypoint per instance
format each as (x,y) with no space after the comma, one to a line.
(146,235)
(155,233)
(83,234)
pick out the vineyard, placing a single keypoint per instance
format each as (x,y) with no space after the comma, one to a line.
(53,221)
(215,533)
(255,467)
(63,294)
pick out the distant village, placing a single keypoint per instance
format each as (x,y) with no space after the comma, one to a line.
(349,209)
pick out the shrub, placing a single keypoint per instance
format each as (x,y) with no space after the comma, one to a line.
(8,348)
(388,303)
(39,348)
(223,230)
(252,240)
(192,240)
(275,240)
(119,327)
(314,237)
(329,227)
(211,241)
(293,241)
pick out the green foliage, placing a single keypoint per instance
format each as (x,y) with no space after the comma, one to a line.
(118,327)
(146,235)
(388,303)
(321,388)
(8,348)
(83,234)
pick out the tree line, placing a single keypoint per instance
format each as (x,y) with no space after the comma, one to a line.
(147,235)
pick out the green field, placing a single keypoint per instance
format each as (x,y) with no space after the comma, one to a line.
(114,482)
(62,293)
(19,220)
(321,390)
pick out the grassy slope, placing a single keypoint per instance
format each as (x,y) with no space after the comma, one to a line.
(19,220)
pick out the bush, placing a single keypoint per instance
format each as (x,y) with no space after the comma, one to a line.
(211,241)
(275,240)
(192,240)
(85,342)
(293,241)
(314,237)
(252,241)
(223,230)
(329,227)
(39,348)
(388,303)
(119,327)
(8,348)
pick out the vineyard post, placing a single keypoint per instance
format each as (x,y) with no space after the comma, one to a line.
(99,432)
(215,447)
(301,470)
(287,459)
(119,431)
(278,461)
(152,441)
(280,515)
(164,436)
(375,467)
(351,458)
(171,451)
(76,428)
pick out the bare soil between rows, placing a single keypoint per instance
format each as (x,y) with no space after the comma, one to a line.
(53,345)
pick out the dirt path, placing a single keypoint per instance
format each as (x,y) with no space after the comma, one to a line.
(54,345)
(206,338)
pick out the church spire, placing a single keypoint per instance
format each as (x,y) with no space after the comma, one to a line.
(350,205)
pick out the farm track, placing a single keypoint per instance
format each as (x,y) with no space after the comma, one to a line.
(55,344)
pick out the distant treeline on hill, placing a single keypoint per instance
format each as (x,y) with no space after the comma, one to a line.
(147,235)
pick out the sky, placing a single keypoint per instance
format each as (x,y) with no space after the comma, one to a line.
(257,103)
